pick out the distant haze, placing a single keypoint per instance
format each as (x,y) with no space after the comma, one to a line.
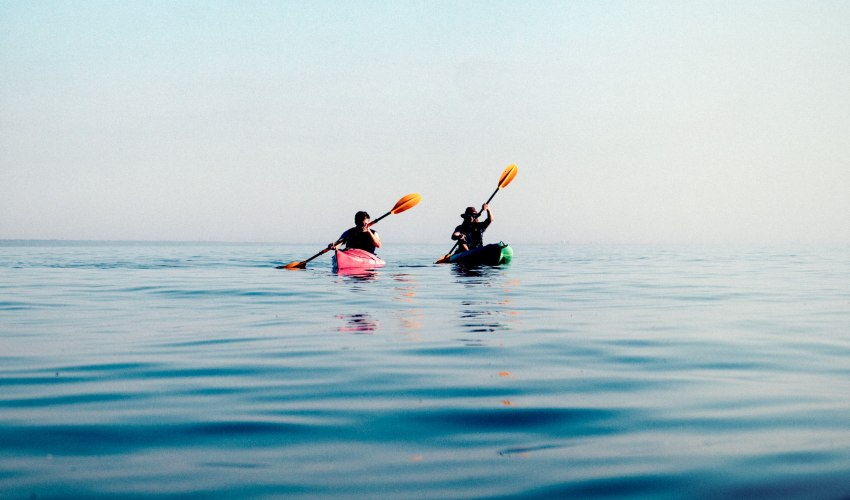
(648,121)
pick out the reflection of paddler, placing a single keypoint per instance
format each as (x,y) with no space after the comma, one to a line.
(358,323)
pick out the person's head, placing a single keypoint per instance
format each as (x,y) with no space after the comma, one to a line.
(469,214)
(361,218)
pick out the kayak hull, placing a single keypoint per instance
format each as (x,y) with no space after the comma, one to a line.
(355,259)
(493,254)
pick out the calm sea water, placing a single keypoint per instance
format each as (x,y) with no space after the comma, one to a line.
(200,371)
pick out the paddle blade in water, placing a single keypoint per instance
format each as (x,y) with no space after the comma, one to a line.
(294,265)
(507,176)
(406,203)
(444,259)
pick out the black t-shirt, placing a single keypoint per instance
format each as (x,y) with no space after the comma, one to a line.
(355,238)
(473,231)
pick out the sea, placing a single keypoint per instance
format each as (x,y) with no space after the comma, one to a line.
(198,370)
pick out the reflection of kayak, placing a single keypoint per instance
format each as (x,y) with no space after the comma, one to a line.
(491,255)
(354,258)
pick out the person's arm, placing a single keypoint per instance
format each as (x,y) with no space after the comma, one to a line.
(458,235)
(336,244)
(489,218)
(375,238)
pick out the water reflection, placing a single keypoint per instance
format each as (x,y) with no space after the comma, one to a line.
(411,320)
(405,287)
(474,271)
(490,314)
(494,312)
(478,317)
(357,274)
(361,323)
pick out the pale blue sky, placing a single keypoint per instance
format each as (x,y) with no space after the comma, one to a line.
(630,121)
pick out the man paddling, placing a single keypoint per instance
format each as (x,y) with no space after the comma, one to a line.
(469,234)
(359,236)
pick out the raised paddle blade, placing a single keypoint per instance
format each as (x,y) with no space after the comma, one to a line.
(406,203)
(507,176)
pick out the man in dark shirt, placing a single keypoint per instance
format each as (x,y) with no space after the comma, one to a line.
(469,233)
(360,236)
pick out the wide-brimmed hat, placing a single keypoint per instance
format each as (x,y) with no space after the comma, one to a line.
(470,212)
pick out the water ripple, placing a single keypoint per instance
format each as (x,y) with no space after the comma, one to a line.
(138,371)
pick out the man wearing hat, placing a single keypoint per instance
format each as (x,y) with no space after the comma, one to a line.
(469,234)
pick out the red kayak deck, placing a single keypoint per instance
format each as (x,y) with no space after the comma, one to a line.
(354,258)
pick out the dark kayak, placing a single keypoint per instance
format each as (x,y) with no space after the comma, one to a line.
(490,255)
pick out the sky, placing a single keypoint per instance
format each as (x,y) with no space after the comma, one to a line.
(275,121)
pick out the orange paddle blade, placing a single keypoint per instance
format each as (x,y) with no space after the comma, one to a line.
(294,265)
(507,176)
(444,259)
(406,203)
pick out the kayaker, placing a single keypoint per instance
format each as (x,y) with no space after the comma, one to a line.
(469,233)
(359,236)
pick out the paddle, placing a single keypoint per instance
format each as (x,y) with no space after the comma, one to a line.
(507,176)
(405,203)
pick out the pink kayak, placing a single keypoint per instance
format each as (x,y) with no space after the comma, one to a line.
(354,258)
